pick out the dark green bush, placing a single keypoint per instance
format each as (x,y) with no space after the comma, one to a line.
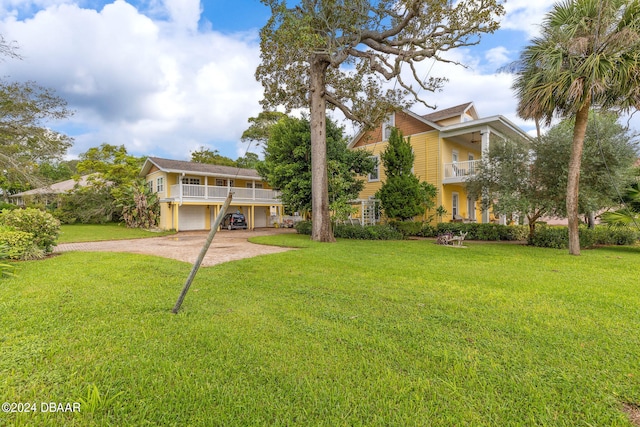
(428,230)
(5,205)
(407,228)
(558,237)
(368,232)
(489,232)
(303,227)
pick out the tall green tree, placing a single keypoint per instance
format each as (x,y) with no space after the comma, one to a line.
(111,187)
(287,166)
(588,55)
(205,155)
(111,163)
(401,195)
(609,152)
(259,129)
(337,54)
(25,139)
(248,161)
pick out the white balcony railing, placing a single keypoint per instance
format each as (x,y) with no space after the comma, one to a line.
(216,193)
(459,171)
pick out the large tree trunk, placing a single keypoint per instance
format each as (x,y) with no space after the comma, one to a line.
(321,228)
(579,131)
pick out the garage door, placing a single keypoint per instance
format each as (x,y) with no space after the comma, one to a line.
(261,216)
(191,218)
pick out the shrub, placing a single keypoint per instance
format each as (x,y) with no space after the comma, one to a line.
(558,237)
(42,225)
(490,232)
(19,244)
(407,228)
(303,227)
(5,205)
(368,232)
(428,230)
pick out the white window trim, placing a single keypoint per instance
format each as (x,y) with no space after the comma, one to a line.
(188,179)
(377,159)
(455,204)
(388,122)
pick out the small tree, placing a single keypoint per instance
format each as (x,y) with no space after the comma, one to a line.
(401,195)
(141,207)
(507,181)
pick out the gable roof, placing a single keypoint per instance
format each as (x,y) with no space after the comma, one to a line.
(57,188)
(458,110)
(183,166)
(409,113)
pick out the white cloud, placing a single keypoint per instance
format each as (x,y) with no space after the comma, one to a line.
(497,56)
(157,86)
(525,15)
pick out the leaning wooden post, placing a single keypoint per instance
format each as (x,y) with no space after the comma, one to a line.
(203,252)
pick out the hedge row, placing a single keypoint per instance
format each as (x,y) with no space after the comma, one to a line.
(545,236)
(347,231)
(493,232)
(558,237)
(403,230)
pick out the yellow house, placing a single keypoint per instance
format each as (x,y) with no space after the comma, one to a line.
(192,194)
(447,145)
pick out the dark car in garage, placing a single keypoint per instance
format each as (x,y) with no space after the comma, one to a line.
(234,221)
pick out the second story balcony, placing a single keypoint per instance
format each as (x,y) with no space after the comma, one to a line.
(191,192)
(458,172)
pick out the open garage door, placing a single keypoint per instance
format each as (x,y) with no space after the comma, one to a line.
(191,218)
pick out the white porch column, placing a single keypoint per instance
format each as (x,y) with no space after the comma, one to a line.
(486,135)
(206,187)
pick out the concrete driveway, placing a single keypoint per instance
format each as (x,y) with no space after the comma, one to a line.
(186,246)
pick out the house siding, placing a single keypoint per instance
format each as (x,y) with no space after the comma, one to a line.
(433,152)
(199,209)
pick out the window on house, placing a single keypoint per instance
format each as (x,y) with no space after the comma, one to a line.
(375,175)
(221,182)
(150,185)
(191,181)
(255,185)
(455,205)
(160,184)
(231,183)
(388,123)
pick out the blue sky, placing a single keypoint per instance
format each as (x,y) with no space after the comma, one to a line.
(164,77)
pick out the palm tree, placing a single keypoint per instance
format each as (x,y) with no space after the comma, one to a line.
(629,215)
(588,55)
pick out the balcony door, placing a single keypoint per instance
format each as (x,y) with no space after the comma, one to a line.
(455,205)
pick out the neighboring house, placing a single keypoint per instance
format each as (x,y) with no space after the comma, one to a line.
(192,194)
(48,194)
(447,145)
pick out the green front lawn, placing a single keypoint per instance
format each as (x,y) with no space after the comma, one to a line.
(364,333)
(73,233)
